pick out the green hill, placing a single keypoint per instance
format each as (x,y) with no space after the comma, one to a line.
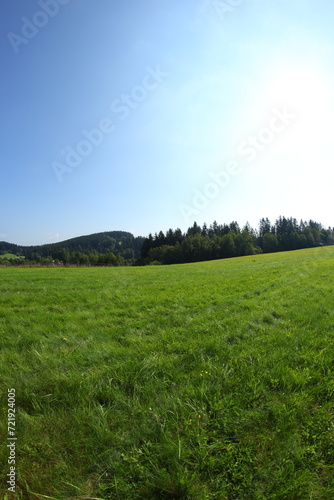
(117,242)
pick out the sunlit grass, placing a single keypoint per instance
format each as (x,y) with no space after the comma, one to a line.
(200,381)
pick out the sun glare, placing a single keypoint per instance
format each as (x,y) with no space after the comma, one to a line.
(305,93)
(303,89)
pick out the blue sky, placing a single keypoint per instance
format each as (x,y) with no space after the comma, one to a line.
(143,115)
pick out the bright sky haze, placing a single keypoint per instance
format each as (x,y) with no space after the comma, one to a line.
(148,115)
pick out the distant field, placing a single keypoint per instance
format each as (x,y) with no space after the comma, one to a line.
(212,380)
(10,256)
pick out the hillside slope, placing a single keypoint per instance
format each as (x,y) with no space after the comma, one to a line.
(117,242)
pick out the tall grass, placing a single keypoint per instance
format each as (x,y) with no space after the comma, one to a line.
(200,381)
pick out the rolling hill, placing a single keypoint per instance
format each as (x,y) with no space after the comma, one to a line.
(120,243)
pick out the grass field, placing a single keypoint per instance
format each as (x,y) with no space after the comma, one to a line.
(200,381)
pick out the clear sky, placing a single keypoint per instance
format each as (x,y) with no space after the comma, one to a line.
(145,115)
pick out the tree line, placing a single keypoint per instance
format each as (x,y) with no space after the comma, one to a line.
(198,243)
(219,241)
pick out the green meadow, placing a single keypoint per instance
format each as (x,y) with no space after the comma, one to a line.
(201,381)
(10,256)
